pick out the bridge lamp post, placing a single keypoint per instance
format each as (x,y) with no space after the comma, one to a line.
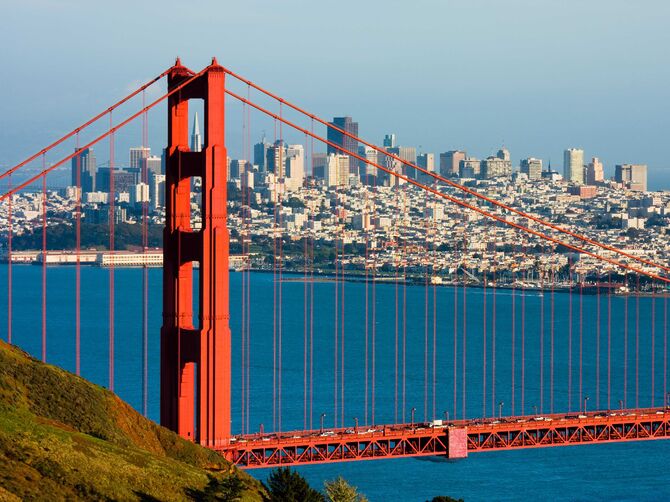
(535,409)
(667,394)
(586,398)
(356,424)
(412,414)
(323,415)
(446,416)
(620,404)
(500,407)
(261,429)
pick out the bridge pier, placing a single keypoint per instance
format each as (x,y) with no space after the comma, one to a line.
(457,442)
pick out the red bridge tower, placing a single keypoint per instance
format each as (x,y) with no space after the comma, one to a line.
(195,346)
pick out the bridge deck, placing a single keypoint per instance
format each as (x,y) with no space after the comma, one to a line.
(454,440)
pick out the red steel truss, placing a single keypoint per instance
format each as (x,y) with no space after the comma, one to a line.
(452,441)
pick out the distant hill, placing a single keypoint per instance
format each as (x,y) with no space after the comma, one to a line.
(63,438)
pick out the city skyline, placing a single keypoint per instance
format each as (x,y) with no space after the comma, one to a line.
(566,67)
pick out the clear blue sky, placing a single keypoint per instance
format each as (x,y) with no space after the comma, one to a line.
(540,75)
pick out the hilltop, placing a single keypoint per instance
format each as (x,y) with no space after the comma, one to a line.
(64,438)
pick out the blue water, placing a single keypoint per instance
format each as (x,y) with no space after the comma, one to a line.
(632,471)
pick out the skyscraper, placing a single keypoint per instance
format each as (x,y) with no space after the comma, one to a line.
(260,154)
(532,167)
(594,172)
(390,141)
(136,155)
(196,138)
(632,176)
(450,162)
(573,165)
(85,162)
(338,138)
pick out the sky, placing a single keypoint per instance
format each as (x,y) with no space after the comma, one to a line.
(538,76)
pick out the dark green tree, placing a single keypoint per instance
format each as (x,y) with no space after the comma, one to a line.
(285,485)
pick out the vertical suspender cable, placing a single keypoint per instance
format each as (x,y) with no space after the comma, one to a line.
(145,269)
(44,261)
(598,307)
(10,231)
(112,215)
(581,336)
(77,291)
(542,314)
(570,321)
(609,342)
(513,335)
(625,345)
(637,344)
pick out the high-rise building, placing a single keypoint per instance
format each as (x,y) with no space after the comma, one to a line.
(157,191)
(275,158)
(632,176)
(338,138)
(336,170)
(368,171)
(496,167)
(390,141)
(85,163)
(594,172)
(532,168)
(294,167)
(237,168)
(196,138)
(137,154)
(469,168)
(450,162)
(426,161)
(139,193)
(504,154)
(573,165)
(124,180)
(260,154)
(408,154)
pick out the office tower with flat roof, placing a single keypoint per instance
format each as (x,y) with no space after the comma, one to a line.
(336,172)
(157,191)
(390,140)
(137,154)
(85,164)
(632,176)
(496,167)
(532,168)
(196,137)
(595,172)
(294,167)
(450,162)
(367,170)
(260,154)
(339,138)
(469,168)
(426,161)
(573,165)
(408,154)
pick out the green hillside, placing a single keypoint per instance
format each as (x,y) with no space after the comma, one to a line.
(63,438)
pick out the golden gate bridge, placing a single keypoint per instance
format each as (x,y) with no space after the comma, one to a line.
(196,377)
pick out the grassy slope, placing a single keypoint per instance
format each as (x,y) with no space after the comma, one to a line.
(63,438)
